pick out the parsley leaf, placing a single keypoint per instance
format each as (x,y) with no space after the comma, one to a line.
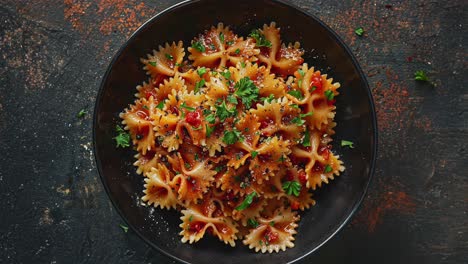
(199,85)
(292,188)
(306,140)
(242,64)
(230,42)
(152,63)
(327,169)
(272,223)
(252,222)
(211,118)
(260,40)
(232,99)
(420,76)
(160,105)
(82,113)
(221,37)
(298,120)
(345,143)
(226,74)
(237,51)
(297,94)
(247,91)
(124,228)
(190,109)
(169,56)
(219,168)
(123,138)
(329,94)
(190,218)
(209,130)
(247,202)
(198,46)
(223,112)
(231,137)
(268,99)
(254,154)
(359,31)
(201,71)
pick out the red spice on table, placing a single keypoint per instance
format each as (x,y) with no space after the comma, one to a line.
(392,200)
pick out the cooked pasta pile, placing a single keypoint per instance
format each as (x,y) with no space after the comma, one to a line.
(236,137)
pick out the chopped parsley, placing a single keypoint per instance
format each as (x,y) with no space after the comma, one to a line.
(247,202)
(201,71)
(282,158)
(231,137)
(420,76)
(190,109)
(297,94)
(260,39)
(226,74)
(230,42)
(237,51)
(294,106)
(190,218)
(346,143)
(209,130)
(219,168)
(211,118)
(82,113)
(252,222)
(187,165)
(272,223)
(123,138)
(306,140)
(222,111)
(124,228)
(169,56)
(247,91)
(298,120)
(359,31)
(232,99)
(198,46)
(329,94)
(221,37)
(292,188)
(242,64)
(160,105)
(327,169)
(152,63)
(302,73)
(254,154)
(268,99)
(199,85)
(196,157)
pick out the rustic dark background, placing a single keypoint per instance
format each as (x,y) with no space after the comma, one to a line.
(53,56)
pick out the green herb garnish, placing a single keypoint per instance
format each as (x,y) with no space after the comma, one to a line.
(152,63)
(306,140)
(252,222)
(420,76)
(201,71)
(123,138)
(298,120)
(297,94)
(254,154)
(169,56)
(237,51)
(292,188)
(124,228)
(199,85)
(247,91)
(82,113)
(190,109)
(359,31)
(209,130)
(198,46)
(160,105)
(260,40)
(231,137)
(247,202)
(347,143)
(221,37)
(222,112)
(329,94)
(327,169)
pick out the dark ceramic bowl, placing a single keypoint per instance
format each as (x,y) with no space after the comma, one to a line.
(356,120)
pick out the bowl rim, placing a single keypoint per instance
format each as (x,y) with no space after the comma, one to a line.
(337,39)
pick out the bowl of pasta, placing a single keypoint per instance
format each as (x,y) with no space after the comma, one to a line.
(239,133)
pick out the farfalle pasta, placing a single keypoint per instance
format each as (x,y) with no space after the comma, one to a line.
(234,132)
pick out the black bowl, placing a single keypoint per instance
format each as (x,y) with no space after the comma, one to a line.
(356,120)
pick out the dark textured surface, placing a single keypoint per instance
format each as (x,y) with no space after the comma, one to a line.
(53,56)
